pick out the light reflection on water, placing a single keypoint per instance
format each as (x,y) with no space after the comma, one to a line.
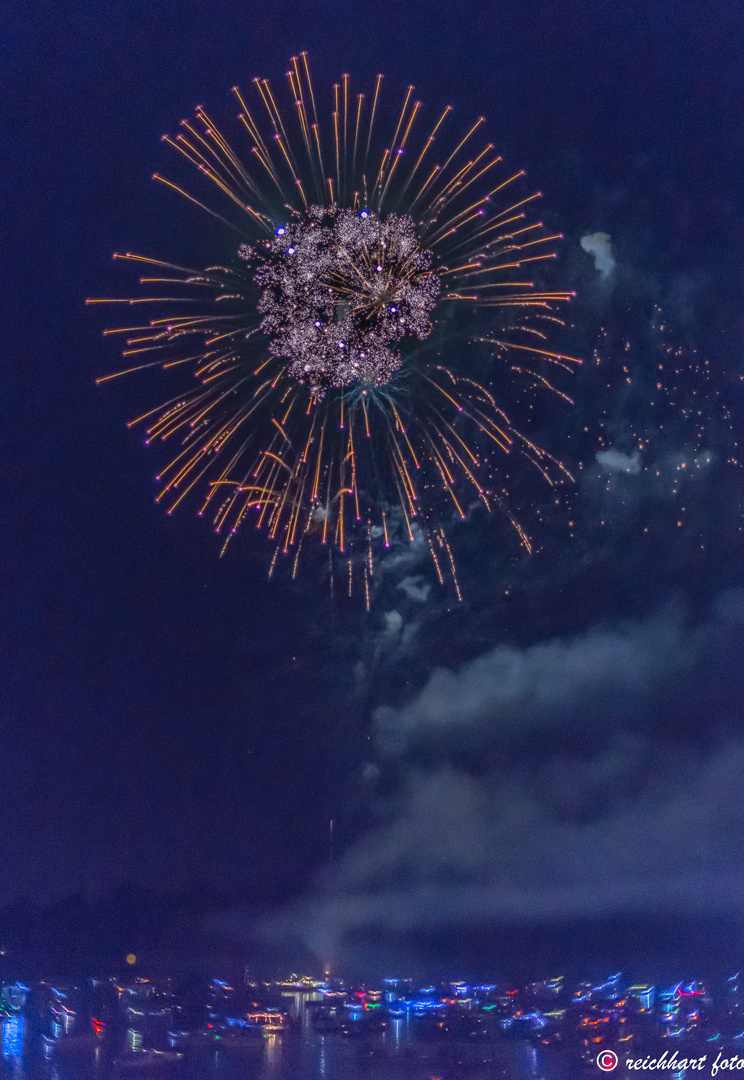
(305,1055)
(398,1053)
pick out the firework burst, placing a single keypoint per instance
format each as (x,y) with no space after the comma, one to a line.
(313,407)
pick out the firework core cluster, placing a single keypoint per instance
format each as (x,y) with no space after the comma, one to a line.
(340,289)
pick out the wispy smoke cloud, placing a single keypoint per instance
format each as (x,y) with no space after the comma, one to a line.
(415,588)
(621,821)
(616,461)
(510,688)
(599,246)
(465,850)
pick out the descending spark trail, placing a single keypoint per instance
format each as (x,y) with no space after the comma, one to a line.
(313,410)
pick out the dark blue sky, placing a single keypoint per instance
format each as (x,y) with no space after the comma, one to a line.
(176,719)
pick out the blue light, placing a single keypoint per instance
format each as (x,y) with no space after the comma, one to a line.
(13,1036)
(393,310)
(290,251)
(365,214)
(280,231)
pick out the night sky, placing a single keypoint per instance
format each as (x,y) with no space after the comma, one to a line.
(551,769)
